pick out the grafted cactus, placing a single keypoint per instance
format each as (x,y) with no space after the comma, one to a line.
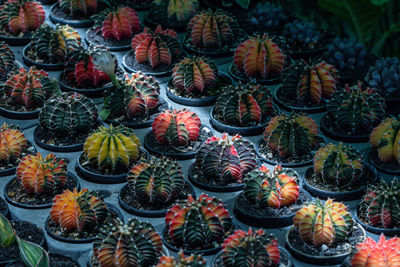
(21,16)
(259,57)
(7,61)
(112,148)
(195,223)
(156,181)
(177,10)
(323,224)
(381,204)
(225,160)
(157,48)
(176,127)
(78,210)
(244,105)
(194,75)
(12,142)
(385,138)
(271,189)
(39,175)
(193,260)
(132,244)
(79,7)
(291,136)
(251,248)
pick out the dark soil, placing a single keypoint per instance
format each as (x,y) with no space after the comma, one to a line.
(198,176)
(331,127)
(13,162)
(29,53)
(7,104)
(55,261)
(132,63)
(6,33)
(3,206)
(297,47)
(57,12)
(18,194)
(291,99)
(390,166)
(95,36)
(215,50)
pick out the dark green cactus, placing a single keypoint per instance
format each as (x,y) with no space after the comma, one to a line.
(7,61)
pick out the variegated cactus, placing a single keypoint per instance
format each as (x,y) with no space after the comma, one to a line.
(259,57)
(271,189)
(79,7)
(157,48)
(251,248)
(323,224)
(193,260)
(39,175)
(21,16)
(356,110)
(132,244)
(78,210)
(29,88)
(293,135)
(205,34)
(7,61)
(12,143)
(195,223)
(176,127)
(244,105)
(68,114)
(225,160)
(112,148)
(381,204)
(374,254)
(156,181)
(385,138)
(177,10)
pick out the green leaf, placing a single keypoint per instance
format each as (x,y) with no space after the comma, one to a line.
(243,3)
(33,254)
(379,2)
(7,233)
(104,113)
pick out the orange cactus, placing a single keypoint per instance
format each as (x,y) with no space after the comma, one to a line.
(12,142)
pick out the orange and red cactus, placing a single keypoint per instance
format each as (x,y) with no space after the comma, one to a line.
(193,260)
(12,142)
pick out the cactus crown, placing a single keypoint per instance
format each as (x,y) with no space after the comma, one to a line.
(225,160)
(323,224)
(271,189)
(356,110)
(381,204)
(251,248)
(78,210)
(79,7)
(12,143)
(193,260)
(385,76)
(7,61)
(195,223)
(244,105)
(302,34)
(259,57)
(177,10)
(132,244)
(385,138)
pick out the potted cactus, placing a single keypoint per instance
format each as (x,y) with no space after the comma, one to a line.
(25,92)
(192,260)
(154,185)
(307,87)
(114,28)
(38,180)
(50,47)
(197,225)
(196,82)
(108,153)
(379,209)
(19,19)
(251,248)
(243,109)
(176,133)
(290,140)
(353,112)
(323,233)
(222,163)
(138,5)
(153,52)
(8,64)
(270,199)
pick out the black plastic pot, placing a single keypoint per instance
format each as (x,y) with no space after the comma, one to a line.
(375,161)
(376,230)
(26,206)
(213,188)
(19,115)
(47,2)
(92,93)
(44,66)
(54,148)
(393,105)
(15,41)
(112,48)
(71,22)
(6,212)
(203,52)
(130,69)
(240,78)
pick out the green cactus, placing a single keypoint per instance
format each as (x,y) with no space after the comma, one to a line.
(7,61)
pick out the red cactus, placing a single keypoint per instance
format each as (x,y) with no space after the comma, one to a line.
(121,23)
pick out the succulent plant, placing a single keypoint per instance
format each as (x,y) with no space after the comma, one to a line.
(340,165)
(39,175)
(259,57)
(225,160)
(385,76)
(79,8)
(132,244)
(244,105)
(112,148)
(156,181)
(7,61)
(176,11)
(323,224)
(68,114)
(78,210)
(293,135)
(271,189)
(302,34)
(356,110)
(21,16)
(251,248)
(160,47)
(54,45)
(193,260)
(381,204)
(382,253)
(117,23)
(194,75)
(385,138)
(29,88)
(7,233)
(176,127)
(12,142)
(267,15)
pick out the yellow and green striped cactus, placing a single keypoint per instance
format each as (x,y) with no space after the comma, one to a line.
(177,10)
(385,138)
